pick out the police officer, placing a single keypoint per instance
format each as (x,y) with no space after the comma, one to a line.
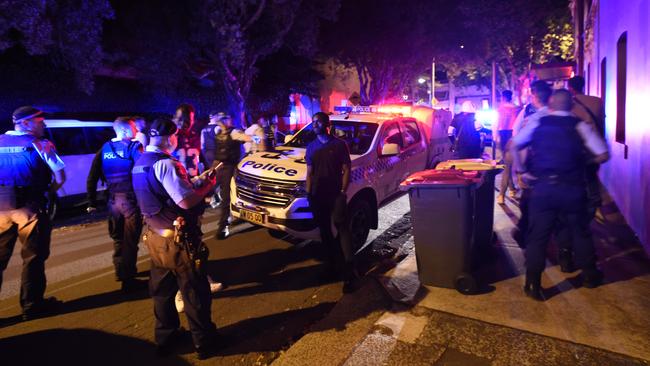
(228,142)
(113,164)
(165,194)
(209,146)
(27,163)
(556,171)
(328,175)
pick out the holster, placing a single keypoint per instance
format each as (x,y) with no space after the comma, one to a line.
(167,253)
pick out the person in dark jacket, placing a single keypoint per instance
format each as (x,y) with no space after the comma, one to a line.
(27,164)
(467,137)
(113,164)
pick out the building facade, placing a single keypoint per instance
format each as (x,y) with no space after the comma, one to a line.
(613,54)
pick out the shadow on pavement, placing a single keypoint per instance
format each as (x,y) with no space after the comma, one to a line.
(270,333)
(289,280)
(80,347)
(256,267)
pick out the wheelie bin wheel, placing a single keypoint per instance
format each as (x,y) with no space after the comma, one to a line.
(466,284)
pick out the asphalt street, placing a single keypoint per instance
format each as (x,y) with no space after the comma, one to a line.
(275,290)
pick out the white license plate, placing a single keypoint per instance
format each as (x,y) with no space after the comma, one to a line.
(254,217)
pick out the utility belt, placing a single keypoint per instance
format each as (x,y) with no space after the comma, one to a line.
(557,179)
(175,249)
(13,197)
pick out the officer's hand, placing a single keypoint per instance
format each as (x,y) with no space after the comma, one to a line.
(91,209)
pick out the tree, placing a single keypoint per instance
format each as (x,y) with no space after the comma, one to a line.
(244,32)
(387,42)
(517,33)
(68,31)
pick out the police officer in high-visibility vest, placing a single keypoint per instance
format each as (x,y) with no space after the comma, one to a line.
(172,208)
(113,164)
(229,141)
(556,172)
(27,164)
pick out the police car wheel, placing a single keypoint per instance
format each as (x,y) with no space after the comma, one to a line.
(360,221)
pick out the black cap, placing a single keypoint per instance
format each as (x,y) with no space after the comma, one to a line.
(25,112)
(162,127)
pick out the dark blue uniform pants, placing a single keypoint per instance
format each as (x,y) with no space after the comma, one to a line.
(32,225)
(194,286)
(549,202)
(125,228)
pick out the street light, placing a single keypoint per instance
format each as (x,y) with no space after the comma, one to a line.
(422,80)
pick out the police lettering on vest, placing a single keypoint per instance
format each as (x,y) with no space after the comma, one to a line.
(22,168)
(270,167)
(118,158)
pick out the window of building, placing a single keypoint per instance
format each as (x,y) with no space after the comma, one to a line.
(621,86)
(603,80)
(589,78)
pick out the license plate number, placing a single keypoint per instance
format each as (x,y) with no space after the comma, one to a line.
(254,217)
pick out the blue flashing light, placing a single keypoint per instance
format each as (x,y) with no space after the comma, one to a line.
(487,117)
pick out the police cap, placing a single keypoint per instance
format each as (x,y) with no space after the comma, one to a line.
(25,112)
(162,127)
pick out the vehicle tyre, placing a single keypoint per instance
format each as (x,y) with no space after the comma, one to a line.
(466,284)
(278,234)
(360,216)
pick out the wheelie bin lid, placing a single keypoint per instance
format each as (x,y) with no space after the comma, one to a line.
(435,178)
(470,164)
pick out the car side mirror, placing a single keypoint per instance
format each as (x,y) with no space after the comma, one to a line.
(390,150)
(287,138)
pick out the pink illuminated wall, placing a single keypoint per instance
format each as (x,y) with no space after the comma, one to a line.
(627,174)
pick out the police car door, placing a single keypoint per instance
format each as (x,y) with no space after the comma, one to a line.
(414,155)
(389,169)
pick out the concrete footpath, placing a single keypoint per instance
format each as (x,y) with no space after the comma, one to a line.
(393,320)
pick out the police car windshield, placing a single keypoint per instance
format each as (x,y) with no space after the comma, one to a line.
(358,135)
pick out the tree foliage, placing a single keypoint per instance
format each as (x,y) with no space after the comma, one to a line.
(515,34)
(386,41)
(70,31)
(245,32)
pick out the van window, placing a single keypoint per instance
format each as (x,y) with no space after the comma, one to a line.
(411,132)
(69,141)
(392,135)
(97,137)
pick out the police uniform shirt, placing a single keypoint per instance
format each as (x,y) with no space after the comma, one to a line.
(46,151)
(590,137)
(173,176)
(255,130)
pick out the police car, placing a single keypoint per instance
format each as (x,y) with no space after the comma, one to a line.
(387,144)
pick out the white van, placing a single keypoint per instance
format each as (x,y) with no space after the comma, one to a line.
(386,145)
(76,142)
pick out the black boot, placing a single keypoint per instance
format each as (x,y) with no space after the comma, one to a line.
(565,258)
(351,278)
(533,286)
